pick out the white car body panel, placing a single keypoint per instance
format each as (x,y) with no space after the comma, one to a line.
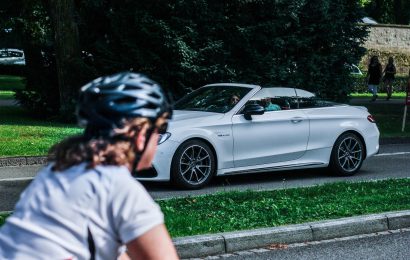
(275,140)
(274,144)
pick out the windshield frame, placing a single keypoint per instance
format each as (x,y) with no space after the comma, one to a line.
(215,98)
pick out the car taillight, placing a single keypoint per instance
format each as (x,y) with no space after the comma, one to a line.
(371,119)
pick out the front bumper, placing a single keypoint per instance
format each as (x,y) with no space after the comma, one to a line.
(161,164)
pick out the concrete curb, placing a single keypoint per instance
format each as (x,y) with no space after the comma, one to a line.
(22,161)
(223,243)
(229,242)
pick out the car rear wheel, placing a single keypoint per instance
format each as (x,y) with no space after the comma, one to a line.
(193,165)
(347,155)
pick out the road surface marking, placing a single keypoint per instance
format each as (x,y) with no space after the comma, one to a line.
(391,154)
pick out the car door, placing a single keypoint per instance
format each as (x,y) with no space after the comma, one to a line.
(273,137)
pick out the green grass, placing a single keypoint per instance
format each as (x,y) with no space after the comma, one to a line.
(3,216)
(6,94)
(8,82)
(21,135)
(395,95)
(251,209)
(389,118)
(232,211)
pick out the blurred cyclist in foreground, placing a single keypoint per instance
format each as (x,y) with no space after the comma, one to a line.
(85,204)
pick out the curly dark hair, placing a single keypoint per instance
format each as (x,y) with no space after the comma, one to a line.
(117,150)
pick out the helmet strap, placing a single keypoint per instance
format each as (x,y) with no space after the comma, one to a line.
(138,154)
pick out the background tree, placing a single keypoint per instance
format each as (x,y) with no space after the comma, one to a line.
(70,66)
(28,20)
(185,44)
(389,11)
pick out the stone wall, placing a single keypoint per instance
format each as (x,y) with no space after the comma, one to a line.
(389,36)
(387,40)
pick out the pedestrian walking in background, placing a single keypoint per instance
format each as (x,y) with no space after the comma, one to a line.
(374,75)
(85,204)
(408,82)
(388,77)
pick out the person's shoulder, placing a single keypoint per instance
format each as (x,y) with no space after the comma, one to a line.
(115,174)
(119,169)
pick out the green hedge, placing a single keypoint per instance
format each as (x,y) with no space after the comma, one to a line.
(360,84)
(186,44)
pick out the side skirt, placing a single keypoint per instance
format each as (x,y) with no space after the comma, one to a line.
(277,168)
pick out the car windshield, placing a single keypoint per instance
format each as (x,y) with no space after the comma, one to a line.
(219,99)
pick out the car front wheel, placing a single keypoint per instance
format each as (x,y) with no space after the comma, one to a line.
(193,165)
(347,155)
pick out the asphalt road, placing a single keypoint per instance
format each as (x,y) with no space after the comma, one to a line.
(383,246)
(393,161)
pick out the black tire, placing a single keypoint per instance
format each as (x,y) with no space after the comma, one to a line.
(347,156)
(193,165)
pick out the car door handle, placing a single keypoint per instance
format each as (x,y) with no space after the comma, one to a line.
(296,120)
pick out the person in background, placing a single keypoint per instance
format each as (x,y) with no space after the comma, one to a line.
(388,77)
(234,99)
(374,75)
(408,83)
(267,104)
(85,204)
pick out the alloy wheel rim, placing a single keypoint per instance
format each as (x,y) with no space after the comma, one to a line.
(349,154)
(195,165)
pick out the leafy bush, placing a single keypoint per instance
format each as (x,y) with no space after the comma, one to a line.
(15,70)
(185,44)
(360,84)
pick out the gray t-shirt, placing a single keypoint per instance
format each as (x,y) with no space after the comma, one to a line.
(52,218)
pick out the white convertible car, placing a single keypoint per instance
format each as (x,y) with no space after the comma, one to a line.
(224,129)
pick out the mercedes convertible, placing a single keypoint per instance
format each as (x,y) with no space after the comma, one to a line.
(226,128)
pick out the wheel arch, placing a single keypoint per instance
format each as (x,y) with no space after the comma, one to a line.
(358,135)
(202,140)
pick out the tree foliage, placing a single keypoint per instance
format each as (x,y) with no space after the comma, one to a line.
(28,20)
(184,44)
(389,11)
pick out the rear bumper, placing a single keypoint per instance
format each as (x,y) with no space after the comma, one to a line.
(372,141)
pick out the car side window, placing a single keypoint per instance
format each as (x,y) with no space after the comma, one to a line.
(307,103)
(286,103)
(275,103)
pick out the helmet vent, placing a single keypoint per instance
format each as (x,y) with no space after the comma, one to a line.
(125,100)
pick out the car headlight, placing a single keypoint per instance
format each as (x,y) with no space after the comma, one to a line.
(162,138)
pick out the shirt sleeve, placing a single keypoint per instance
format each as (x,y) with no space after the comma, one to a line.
(134,212)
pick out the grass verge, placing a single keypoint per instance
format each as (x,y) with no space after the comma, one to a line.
(232,211)
(395,95)
(251,209)
(21,135)
(6,94)
(389,119)
(8,82)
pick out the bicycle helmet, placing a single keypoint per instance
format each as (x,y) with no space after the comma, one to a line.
(106,102)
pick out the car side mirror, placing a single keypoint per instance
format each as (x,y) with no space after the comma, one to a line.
(252,109)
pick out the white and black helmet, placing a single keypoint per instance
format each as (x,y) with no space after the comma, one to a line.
(106,102)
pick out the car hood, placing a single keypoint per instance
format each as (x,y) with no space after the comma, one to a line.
(192,118)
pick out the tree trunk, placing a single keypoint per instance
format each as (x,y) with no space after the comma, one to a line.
(63,17)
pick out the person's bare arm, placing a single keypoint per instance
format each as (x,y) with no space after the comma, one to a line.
(154,244)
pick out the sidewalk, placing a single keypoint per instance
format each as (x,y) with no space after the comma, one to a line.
(231,242)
